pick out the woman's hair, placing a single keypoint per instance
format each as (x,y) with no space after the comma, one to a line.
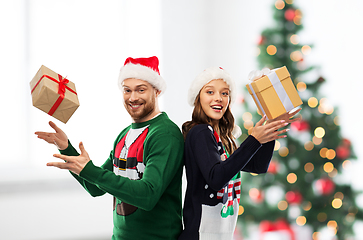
(226,125)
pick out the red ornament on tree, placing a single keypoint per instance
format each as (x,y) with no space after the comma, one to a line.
(343,152)
(261,40)
(256,195)
(272,168)
(293,197)
(290,14)
(300,125)
(346,142)
(324,186)
(280,225)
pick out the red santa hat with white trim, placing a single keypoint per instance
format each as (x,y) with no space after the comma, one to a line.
(146,69)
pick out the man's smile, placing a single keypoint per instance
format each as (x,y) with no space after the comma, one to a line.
(135,106)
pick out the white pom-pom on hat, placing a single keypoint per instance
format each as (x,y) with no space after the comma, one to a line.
(146,69)
(205,77)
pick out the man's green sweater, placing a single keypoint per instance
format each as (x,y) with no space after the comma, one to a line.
(147,206)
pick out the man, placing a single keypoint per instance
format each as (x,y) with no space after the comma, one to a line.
(144,169)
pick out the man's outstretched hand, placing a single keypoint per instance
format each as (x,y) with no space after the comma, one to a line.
(72,163)
(58,138)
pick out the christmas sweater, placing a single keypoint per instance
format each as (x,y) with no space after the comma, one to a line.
(143,172)
(214,184)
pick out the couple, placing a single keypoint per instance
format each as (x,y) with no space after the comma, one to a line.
(144,170)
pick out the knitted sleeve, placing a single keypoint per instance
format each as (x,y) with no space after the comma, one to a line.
(261,160)
(92,189)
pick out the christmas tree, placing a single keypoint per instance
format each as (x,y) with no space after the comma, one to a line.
(304,184)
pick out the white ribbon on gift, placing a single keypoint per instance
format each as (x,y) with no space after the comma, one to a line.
(276,84)
(257,101)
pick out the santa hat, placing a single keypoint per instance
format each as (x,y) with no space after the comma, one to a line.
(146,69)
(205,77)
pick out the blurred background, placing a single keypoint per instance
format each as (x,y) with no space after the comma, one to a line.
(88,41)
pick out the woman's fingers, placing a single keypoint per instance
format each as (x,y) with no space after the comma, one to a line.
(277,125)
(294,120)
(282,132)
(295,112)
(292,114)
(277,135)
(281,125)
(260,123)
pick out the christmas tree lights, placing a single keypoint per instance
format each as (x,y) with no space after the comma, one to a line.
(302,185)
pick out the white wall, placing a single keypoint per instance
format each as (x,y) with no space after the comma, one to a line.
(200,34)
(88,40)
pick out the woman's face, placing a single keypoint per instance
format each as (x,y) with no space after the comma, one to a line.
(214,99)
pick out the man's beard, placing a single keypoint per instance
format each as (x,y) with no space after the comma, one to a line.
(145,109)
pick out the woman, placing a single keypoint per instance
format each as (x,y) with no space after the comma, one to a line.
(213,161)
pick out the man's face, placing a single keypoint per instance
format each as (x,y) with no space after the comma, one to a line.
(139,99)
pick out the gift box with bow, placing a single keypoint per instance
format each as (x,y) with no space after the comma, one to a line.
(54,94)
(273,92)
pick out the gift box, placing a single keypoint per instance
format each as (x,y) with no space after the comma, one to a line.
(274,93)
(54,94)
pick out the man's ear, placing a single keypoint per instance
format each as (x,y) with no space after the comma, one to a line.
(157,92)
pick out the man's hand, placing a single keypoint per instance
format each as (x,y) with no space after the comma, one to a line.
(59,138)
(72,163)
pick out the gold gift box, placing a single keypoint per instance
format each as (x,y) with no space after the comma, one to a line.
(47,95)
(274,93)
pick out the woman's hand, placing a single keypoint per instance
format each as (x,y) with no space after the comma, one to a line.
(269,131)
(287,117)
(59,138)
